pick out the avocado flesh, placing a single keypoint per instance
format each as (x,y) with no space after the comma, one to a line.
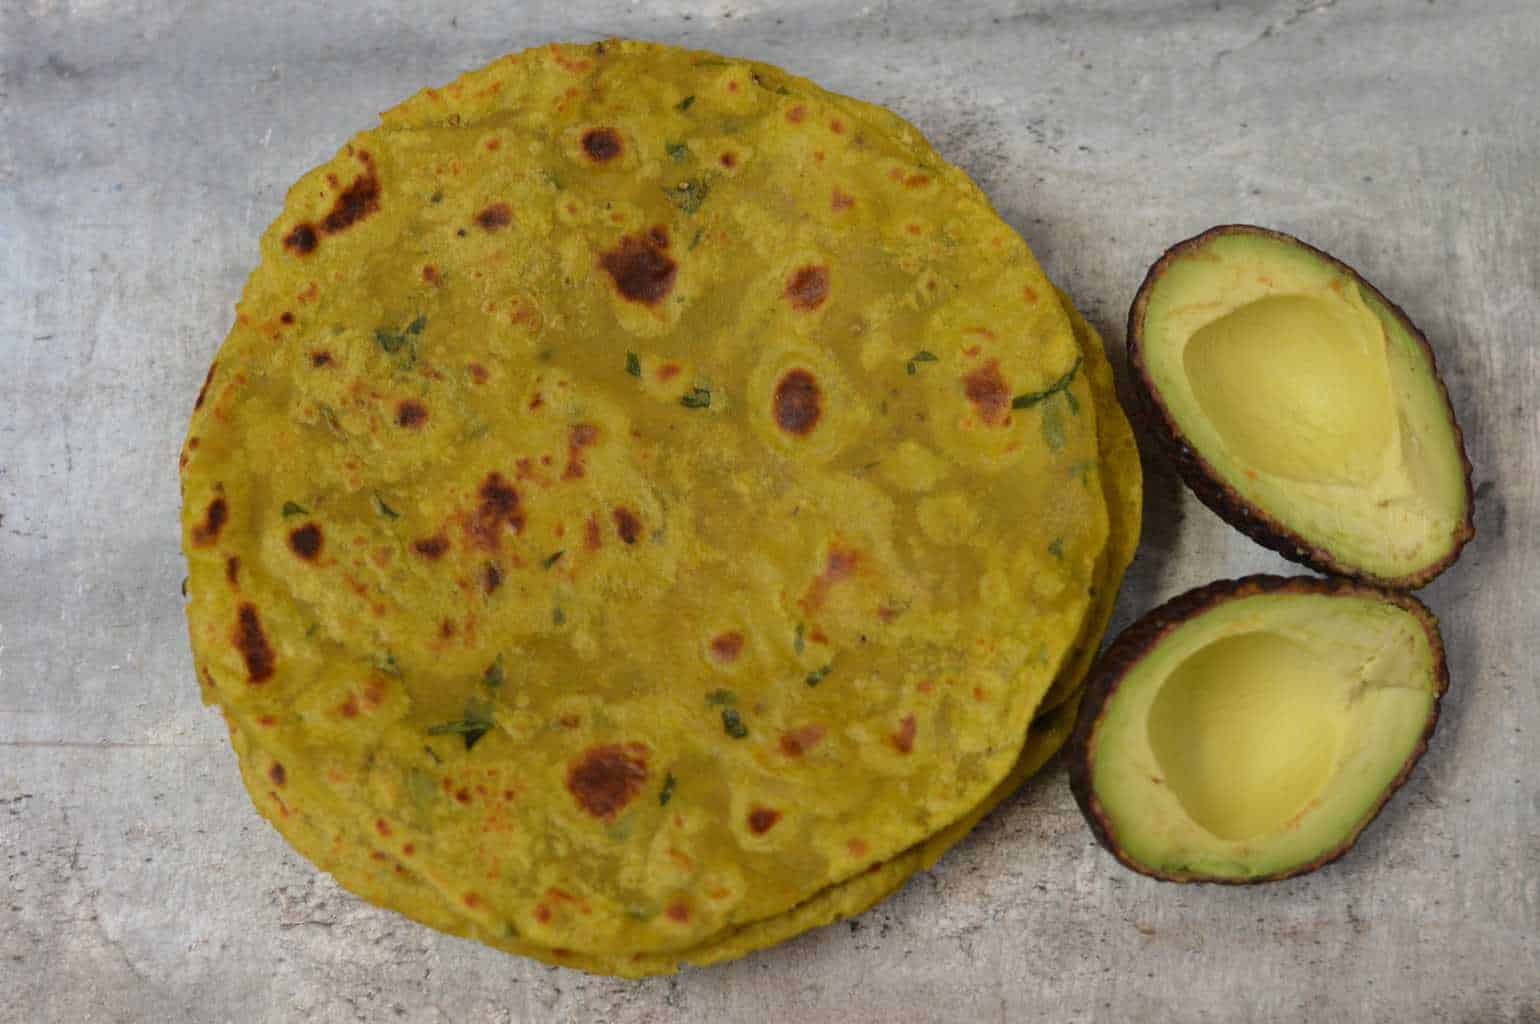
(1309,400)
(1255,738)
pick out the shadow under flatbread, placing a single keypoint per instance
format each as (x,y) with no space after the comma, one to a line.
(1163,511)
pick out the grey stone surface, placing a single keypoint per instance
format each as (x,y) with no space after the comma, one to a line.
(143,146)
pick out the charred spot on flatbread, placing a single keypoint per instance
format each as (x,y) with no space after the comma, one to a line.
(207,532)
(989,393)
(763,819)
(302,239)
(494,216)
(808,287)
(253,644)
(411,414)
(602,144)
(640,269)
(305,541)
(798,402)
(359,199)
(627,526)
(607,778)
(499,511)
(208,379)
(432,548)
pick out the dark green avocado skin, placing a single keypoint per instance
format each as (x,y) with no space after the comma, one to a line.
(1199,474)
(1142,637)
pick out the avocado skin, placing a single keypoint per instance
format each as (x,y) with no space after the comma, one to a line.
(1199,474)
(1142,637)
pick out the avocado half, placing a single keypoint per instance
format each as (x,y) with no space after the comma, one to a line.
(1302,406)
(1248,730)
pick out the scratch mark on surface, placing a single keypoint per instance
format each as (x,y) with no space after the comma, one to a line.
(1282,25)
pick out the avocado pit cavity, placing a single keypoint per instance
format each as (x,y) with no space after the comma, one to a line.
(1242,735)
(1297,386)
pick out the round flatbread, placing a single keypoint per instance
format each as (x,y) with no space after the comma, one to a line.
(386,880)
(638,493)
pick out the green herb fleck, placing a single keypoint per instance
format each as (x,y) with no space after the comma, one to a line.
(677,151)
(797,643)
(551,560)
(476,723)
(387,663)
(493,676)
(781,90)
(1056,549)
(667,792)
(817,675)
(1032,398)
(696,398)
(1053,428)
(184,587)
(922,356)
(721,697)
(1074,403)
(331,418)
(558,616)
(688,194)
(684,104)
(699,234)
(395,341)
(294,508)
(384,509)
(710,62)
(437,197)
(390,341)
(733,724)
(312,629)
(433,754)
(633,364)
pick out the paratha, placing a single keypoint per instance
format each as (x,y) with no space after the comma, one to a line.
(622,499)
(384,879)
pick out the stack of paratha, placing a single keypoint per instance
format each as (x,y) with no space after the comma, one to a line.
(647,507)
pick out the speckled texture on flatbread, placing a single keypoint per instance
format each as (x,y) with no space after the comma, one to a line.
(640,491)
(388,881)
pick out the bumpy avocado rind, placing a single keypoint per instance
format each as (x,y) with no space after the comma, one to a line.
(1249,730)
(1302,406)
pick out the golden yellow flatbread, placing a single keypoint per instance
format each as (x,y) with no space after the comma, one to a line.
(641,492)
(385,880)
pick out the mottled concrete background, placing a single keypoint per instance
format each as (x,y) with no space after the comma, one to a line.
(143,146)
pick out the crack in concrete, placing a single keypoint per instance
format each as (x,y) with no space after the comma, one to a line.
(1275,28)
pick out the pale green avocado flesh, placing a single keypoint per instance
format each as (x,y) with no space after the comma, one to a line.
(1311,401)
(1256,738)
